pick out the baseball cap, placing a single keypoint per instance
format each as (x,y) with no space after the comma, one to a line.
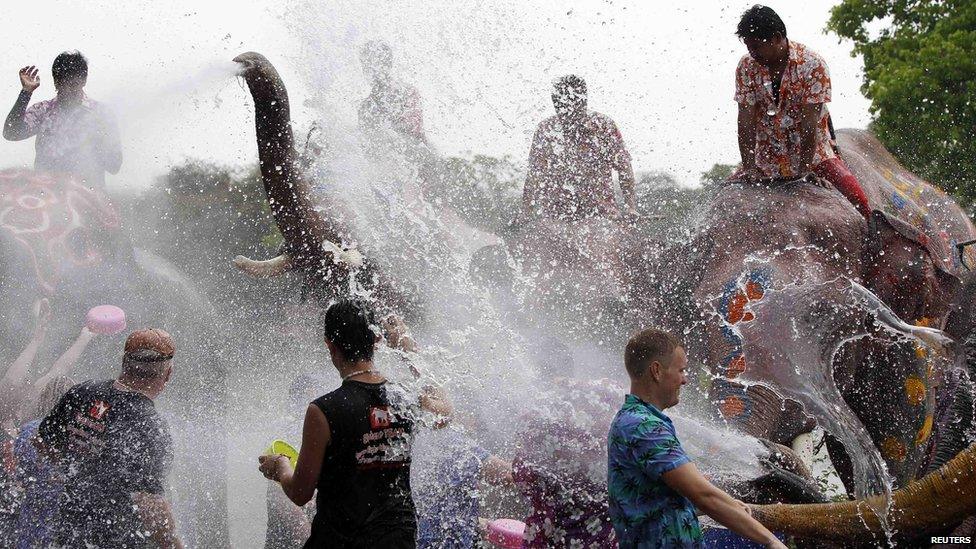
(151,339)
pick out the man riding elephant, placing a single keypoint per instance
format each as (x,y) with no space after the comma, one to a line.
(782,88)
(75,135)
(569,194)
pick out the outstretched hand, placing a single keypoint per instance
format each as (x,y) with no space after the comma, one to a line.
(395,331)
(271,466)
(29,79)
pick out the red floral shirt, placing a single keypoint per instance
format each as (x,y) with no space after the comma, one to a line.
(806,81)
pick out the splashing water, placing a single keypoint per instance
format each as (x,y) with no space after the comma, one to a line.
(791,345)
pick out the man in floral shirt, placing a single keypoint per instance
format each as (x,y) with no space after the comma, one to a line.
(75,135)
(782,89)
(654,488)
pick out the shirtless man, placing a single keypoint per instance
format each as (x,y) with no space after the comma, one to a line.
(392,105)
(569,200)
(782,88)
(75,134)
(572,160)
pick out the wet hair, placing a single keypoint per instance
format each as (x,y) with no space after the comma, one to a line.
(377,52)
(760,22)
(145,363)
(51,395)
(350,324)
(569,83)
(646,347)
(68,65)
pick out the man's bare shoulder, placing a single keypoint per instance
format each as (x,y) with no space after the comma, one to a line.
(601,122)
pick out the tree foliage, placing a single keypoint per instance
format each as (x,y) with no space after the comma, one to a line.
(920,75)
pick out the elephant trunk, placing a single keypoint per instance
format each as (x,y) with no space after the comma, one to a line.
(288,192)
(939,500)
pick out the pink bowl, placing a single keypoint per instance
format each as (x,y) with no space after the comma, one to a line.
(506,533)
(105,319)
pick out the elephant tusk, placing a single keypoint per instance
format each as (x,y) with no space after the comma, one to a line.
(939,500)
(263,269)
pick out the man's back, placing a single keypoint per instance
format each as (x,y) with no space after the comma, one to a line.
(113,444)
(364,487)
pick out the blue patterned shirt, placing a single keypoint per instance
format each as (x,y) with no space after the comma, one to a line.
(646,512)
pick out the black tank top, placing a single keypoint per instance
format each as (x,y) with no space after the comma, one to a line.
(364,495)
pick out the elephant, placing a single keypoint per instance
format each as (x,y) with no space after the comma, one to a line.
(934,504)
(905,254)
(762,237)
(65,242)
(316,245)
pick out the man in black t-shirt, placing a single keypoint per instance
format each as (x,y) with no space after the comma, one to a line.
(357,442)
(114,451)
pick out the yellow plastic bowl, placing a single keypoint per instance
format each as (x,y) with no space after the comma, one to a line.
(285,449)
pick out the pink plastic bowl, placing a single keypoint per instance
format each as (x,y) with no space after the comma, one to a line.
(507,533)
(105,319)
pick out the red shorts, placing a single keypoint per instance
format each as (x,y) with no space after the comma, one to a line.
(840,176)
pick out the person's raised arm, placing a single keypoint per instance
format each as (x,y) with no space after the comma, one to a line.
(64,364)
(729,512)
(157,518)
(299,484)
(11,384)
(809,127)
(17,127)
(748,123)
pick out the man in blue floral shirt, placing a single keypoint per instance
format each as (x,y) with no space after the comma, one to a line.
(654,487)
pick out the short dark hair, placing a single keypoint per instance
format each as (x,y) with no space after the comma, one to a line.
(647,346)
(69,64)
(350,324)
(760,22)
(570,82)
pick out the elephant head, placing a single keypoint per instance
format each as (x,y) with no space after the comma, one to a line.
(316,241)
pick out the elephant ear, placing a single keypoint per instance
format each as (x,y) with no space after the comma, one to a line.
(904,269)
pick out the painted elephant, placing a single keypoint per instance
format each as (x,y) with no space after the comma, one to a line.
(64,241)
(757,238)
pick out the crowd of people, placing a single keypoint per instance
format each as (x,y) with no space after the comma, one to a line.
(86,465)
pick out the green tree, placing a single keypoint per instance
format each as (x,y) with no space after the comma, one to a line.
(717,174)
(920,75)
(485,191)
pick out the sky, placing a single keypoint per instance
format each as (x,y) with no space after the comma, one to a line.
(662,71)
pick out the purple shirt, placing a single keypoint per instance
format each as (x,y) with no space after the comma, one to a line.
(82,139)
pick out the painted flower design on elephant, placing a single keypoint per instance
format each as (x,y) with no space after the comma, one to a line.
(56,221)
(733,309)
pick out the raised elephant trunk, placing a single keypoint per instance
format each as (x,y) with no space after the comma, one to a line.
(938,501)
(313,242)
(289,193)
